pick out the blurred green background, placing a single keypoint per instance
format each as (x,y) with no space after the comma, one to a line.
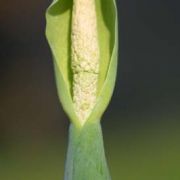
(142,123)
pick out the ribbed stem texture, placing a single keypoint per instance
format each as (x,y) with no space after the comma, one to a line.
(86,158)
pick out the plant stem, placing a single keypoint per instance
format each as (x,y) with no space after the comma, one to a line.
(85,157)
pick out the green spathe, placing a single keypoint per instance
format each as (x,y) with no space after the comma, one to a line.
(85,158)
(58,32)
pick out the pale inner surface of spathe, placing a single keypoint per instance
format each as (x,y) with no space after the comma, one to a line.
(85,57)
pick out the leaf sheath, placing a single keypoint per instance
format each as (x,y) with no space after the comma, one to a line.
(85,157)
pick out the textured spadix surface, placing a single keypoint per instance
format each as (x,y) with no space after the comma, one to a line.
(84,57)
(59,31)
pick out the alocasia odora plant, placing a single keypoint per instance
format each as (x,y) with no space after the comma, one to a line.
(83,36)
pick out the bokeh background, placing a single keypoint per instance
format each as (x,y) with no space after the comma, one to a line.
(142,123)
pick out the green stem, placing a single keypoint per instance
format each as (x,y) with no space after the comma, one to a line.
(85,157)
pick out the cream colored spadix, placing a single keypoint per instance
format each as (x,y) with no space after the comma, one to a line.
(84,57)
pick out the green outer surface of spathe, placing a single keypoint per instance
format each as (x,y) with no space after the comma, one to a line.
(86,158)
(58,30)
